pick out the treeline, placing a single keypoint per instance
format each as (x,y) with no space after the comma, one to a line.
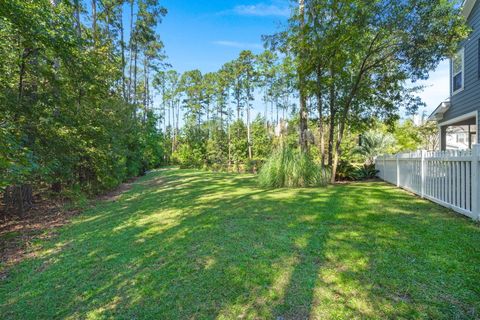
(87,102)
(76,99)
(211,120)
(338,69)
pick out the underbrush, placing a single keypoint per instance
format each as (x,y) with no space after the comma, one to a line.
(347,171)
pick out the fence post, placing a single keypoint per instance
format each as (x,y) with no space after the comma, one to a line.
(384,177)
(475,181)
(422,174)
(398,170)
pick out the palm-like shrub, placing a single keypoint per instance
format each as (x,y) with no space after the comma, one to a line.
(374,143)
(290,168)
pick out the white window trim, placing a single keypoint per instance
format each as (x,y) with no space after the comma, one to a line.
(462,53)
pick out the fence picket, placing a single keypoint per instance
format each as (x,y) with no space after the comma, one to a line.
(450,178)
(462,184)
(468,186)
(457,175)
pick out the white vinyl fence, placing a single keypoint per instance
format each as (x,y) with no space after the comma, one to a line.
(449,178)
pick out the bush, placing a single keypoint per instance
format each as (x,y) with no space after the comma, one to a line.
(289,168)
(365,172)
(253,165)
(346,171)
(218,167)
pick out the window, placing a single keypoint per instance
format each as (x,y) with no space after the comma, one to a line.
(478,58)
(457,71)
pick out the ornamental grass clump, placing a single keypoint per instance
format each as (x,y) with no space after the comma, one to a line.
(292,169)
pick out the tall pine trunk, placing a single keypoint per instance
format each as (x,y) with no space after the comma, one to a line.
(333,114)
(135,69)
(122,48)
(303,141)
(145,88)
(321,140)
(131,46)
(94,21)
(249,135)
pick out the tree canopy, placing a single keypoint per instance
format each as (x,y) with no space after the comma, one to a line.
(87,101)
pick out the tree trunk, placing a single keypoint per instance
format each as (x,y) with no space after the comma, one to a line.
(174,133)
(132,40)
(176,123)
(77,19)
(22,69)
(265,100)
(164,109)
(18,199)
(277,112)
(303,113)
(238,110)
(135,59)
(229,146)
(321,142)
(122,48)
(249,140)
(145,89)
(78,26)
(94,22)
(169,117)
(333,113)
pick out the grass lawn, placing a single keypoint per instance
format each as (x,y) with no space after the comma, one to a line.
(185,244)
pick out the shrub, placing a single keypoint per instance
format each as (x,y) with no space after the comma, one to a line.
(373,143)
(289,168)
(253,165)
(346,171)
(365,172)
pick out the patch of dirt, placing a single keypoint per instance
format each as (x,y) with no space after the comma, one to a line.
(357,181)
(17,234)
(113,195)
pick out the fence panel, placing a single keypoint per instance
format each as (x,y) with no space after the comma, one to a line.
(450,178)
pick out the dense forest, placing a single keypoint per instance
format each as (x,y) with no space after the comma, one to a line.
(88,101)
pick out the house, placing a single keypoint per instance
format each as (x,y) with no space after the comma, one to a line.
(458,116)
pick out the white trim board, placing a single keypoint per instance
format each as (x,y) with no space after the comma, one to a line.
(460,118)
(468,7)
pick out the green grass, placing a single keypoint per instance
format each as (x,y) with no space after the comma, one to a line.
(185,244)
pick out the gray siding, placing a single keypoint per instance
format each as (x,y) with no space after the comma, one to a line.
(468,100)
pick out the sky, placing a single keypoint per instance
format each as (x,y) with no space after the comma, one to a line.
(205,34)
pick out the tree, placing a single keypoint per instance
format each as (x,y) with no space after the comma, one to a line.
(191,84)
(365,52)
(266,69)
(372,144)
(262,140)
(407,136)
(248,79)
(66,117)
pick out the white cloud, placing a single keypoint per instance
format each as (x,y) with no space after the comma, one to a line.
(262,10)
(239,45)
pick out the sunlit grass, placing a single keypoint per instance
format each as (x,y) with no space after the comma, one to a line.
(185,244)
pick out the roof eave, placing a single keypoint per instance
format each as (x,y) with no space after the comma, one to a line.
(468,7)
(437,114)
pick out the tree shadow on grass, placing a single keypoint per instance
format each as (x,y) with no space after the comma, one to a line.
(210,245)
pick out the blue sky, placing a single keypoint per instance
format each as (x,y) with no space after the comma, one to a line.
(205,34)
